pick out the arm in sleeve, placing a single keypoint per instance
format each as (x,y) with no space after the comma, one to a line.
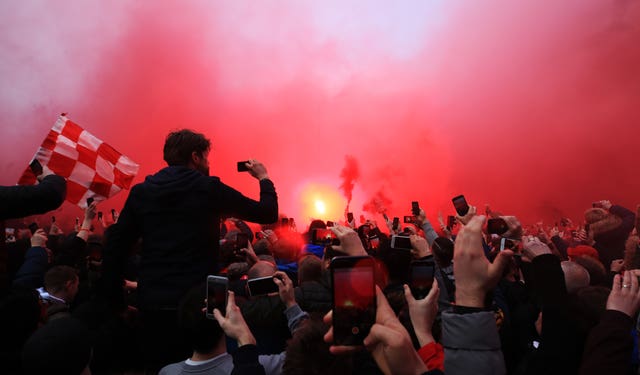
(609,346)
(432,355)
(429,233)
(295,316)
(561,245)
(21,201)
(264,211)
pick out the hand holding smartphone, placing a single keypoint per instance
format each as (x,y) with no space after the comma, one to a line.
(354,299)
(461,205)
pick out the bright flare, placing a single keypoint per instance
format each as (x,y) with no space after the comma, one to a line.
(321,208)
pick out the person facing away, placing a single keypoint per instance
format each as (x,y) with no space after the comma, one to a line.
(176,212)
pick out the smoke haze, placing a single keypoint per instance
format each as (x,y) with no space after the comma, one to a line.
(529,106)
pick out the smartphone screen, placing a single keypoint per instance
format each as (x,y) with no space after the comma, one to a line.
(242,167)
(261,286)
(350,216)
(415,208)
(329,224)
(409,219)
(322,236)
(401,242)
(460,204)
(396,222)
(496,226)
(354,299)
(216,294)
(421,278)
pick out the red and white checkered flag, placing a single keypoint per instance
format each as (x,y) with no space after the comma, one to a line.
(92,168)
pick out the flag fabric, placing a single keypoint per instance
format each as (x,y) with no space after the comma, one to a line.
(92,168)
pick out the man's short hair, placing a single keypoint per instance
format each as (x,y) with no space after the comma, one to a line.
(308,354)
(180,144)
(56,278)
(309,268)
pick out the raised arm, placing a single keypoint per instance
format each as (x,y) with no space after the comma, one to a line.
(21,201)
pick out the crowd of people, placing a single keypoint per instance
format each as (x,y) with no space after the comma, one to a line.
(128,294)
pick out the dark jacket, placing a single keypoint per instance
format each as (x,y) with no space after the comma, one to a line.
(177,213)
(315,296)
(610,345)
(21,201)
(31,273)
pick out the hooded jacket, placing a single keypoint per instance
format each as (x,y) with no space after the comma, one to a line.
(177,213)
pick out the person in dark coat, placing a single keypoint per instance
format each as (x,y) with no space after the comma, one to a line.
(177,214)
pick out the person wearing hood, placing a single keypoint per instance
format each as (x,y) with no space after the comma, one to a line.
(177,213)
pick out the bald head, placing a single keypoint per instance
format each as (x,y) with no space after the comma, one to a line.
(261,269)
(575,276)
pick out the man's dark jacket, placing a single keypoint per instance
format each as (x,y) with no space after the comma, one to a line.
(177,213)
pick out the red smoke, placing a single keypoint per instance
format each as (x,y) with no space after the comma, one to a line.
(377,204)
(349,175)
(529,106)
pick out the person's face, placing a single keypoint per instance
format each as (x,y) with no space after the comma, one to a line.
(201,163)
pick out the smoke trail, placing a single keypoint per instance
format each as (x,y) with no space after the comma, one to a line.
(349,174)
(378,204)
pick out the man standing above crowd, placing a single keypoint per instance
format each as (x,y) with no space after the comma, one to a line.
(176,213)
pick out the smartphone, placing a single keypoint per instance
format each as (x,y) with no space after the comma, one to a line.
(330,224)
(217,287)
(99,215)
(321,236)
(89,201)
(401,242)
(415,208)
(242,241)
(421,278)
(36,167)
(396,222)
(460,203)
(409,219)
(284,221)
(506,244)
(386,218)
(497,226)
(354,299)
(451,221)
(261,286)
(33,227)
(242,167)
